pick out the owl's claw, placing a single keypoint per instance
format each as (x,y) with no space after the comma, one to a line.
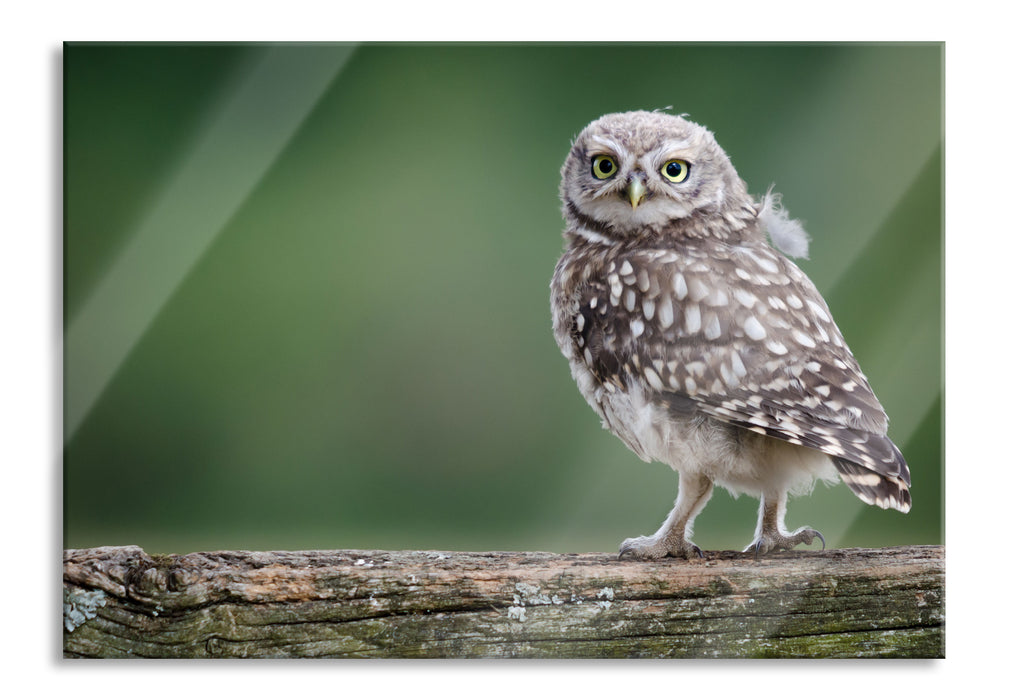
(777,541)
(652,547)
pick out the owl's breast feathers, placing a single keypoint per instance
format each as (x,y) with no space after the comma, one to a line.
(736,332)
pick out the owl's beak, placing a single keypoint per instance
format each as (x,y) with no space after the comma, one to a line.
(635,191)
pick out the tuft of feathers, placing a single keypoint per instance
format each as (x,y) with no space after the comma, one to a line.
(785,233)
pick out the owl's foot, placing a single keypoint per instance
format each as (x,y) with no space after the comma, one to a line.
(671,539)
(774,541)
(655,547)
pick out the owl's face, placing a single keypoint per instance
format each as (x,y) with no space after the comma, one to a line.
(634,172)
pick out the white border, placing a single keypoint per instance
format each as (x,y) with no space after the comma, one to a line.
(975,317)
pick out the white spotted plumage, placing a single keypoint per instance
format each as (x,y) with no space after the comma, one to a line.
(701,345)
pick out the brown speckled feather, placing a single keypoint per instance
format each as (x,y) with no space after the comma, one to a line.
(741,332)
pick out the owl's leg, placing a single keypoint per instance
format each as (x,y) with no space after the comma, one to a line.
(771,534)
(672,539)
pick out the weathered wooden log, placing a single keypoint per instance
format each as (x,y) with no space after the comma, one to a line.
(121,602)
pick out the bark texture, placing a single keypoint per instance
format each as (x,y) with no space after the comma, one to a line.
(122,602)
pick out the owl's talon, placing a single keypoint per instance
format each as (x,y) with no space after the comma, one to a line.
(779,541)
(754,547)
(653,547)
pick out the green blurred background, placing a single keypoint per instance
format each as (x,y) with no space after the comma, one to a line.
(305,286)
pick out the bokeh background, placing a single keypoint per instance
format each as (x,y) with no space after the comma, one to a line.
(306,286)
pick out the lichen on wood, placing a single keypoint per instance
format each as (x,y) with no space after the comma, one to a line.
(362,603)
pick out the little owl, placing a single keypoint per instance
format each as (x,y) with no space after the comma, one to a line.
(698,343)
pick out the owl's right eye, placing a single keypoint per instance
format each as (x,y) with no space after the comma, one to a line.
(604,167)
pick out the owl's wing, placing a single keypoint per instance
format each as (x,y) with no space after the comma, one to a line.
(740,334)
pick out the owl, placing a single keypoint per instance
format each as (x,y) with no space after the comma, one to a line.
(699,343)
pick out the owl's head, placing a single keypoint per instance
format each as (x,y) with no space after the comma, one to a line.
(633,173)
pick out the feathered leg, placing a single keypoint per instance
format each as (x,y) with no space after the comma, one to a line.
(771,534)
(672,539)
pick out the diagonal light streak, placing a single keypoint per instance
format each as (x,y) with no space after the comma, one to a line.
(906,157)
(897,353)
(827,124)
(241,141)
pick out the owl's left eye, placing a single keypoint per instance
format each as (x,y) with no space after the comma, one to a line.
(604,167)
(676,170)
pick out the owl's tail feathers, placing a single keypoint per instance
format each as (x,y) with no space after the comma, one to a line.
(874,488)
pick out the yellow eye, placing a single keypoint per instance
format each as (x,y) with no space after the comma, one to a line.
(676,170)
(604,167)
